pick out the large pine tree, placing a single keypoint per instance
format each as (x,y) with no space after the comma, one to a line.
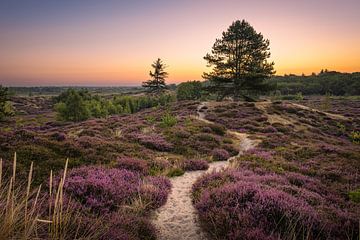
(157,82)
(240,63)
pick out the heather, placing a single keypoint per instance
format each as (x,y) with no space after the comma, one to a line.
(84,203)
(141,135)
(195,164)
(102,190)
(132,164)
(299,182)
(233,203)
(34,212)
(220,154)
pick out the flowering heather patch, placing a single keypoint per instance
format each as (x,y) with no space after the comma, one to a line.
(59,136)
(195,164)
(238,116)
(153,141)
(347,107)
(261,153)
(132,164)
(154,191)
(219,154)
(235,204)
(102,190)
(248,205)
(182,133)
(126,226)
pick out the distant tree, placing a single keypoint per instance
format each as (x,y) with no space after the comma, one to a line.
(157,82)
(190,90)
(240,62)
(6,109)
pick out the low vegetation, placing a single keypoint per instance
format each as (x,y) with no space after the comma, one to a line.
(299,181)
(78,106)
(295,183)
(6,109)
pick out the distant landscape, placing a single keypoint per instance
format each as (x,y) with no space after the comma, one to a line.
(239,153)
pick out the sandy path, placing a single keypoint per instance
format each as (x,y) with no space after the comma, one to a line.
(177,219)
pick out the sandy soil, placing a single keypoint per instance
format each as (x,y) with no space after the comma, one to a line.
(177,219)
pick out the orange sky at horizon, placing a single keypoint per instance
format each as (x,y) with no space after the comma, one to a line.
(107,45)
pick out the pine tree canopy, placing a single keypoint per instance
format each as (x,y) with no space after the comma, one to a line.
(239,62)
(157,82)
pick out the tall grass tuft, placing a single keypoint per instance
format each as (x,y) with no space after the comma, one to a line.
(22,214)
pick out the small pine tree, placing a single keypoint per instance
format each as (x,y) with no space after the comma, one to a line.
(157,82)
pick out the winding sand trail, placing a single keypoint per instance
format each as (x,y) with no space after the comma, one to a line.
(177,219)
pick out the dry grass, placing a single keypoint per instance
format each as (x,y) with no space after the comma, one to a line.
(22,211)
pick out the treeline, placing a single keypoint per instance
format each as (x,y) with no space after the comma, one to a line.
(52,90)
(79,105)
(326,82)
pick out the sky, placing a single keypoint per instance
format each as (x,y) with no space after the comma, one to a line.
(114,42)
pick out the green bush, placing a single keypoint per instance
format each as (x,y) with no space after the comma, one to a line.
(354,196)
(76,106)
(218,129)
(6,108)
(190,90)
(355,137)
(168,120)
(299,96)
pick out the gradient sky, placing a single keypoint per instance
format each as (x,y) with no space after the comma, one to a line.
(94,42)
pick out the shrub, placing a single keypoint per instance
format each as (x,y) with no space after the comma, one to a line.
(126,226)
(175,172)
(59,136)
(25,212)
(237,209)
(157,166)
(182,133)
(168,120)
(206,129)
(195,164)
(153,141)
(154,191)
(355,137)
(206,137)
(74,107)
(219,154)
(260,153)
(355,196)
(218,129)
(190,90)
(132,164)
(102,190)
(6,108)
